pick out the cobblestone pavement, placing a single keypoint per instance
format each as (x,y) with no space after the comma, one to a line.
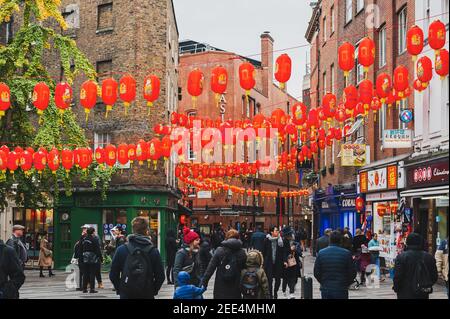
(56,288)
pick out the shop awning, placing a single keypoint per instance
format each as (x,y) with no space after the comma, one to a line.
(422,192)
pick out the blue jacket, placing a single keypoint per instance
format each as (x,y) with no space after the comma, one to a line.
(257,241)
(186,291)
(334,268)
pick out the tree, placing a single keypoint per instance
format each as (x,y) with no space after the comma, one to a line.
(21,68)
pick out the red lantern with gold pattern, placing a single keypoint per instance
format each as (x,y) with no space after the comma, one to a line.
(401,80)
(329,103)
(414,41)
(359,204)
(127,91)
(41,97)
(166,145)
(436,35)
(417,85)
(366,53)
(111,155)
(5,99)
(26,161)
(141,151)
(85,155)
(321,144)
(340,115)
(375,106)
(39,160)
(100,155)
(299,113)
(219,81)
(283,69)
(53,160)
(151,90)
(63,96)
(424,68)
(131,152)
(67,159)
(12,161)
(365,94)
(88,96)
(346,57)
(109,94)
(155,151)
(441,63)
(122,154)
(247,77)
(350,98)
(195,84)
(383,86)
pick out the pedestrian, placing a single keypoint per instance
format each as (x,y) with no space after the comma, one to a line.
(118,239)
(92,257)
(441,257)
(347,241)
(363,261)
(257,239)
(171,250)
(45,256)
(229,260)
(303,236)
(98,270)
(78,257)
(12,275)
(185,290)
(334,269)
(374,249)
(187,257)
(204,255)
(415,270)
(273,253)
(358,241)
(254,282)
(15,241)
(323,241)
(136,270)
(292,263)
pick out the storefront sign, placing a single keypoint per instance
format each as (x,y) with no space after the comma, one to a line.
(363,182)
(377,179)
(385,178)
(349,202)
(397,138)
(392,177)
(353,155)
(204,195)
(381,196)
(428,174)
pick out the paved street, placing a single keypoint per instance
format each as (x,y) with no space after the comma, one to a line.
(55,288)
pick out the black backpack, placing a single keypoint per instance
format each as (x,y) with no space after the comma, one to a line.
(137,275)
(228,267)
(250,284)
(421,281)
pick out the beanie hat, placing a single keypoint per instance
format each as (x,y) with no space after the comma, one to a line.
(189,235)
(414,239)
(287,231)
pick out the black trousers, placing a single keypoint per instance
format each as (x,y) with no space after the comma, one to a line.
(89,273)
(289,282)
(169,273)
(80,276)
(98,273)
(271,276)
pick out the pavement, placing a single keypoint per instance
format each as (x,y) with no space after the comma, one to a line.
(62,287)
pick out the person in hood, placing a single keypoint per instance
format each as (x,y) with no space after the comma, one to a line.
(229,260)
(185,290)
(138,240)
(257,288)
(273,253)
(415,270)
(187,257)
(204,254)
(12,276)
(257,239)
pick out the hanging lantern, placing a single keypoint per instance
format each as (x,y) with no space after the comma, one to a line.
(299,115)
(350,98)
(424,68)
(366,53)
(340,115)
(53,160)
(111,155)
(417,85)
(5,99)
(13,161)
(436,35)
(155,151)
(152,87)
(131,152)
(67,159)
(359,204)
(321,144)
(283,67)
(313,120)
(63,96)
(346,130)
(314,147)
(3,161)
(109,94)
(39,160)
(26,161)
(346,57)
(366,94)
(337,134)
(247,77)
(127,91)
(219,81)
(329,103)
(383,86)
(88,96)
(195,85)
(100,155)
(41,97)
(141,151)
(441,64)
(401,80)
(166,145)
(85,157)
(122,154)
(375,106)
(414,41)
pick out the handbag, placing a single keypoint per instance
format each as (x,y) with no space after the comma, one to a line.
(188,268)
(291,262)
(48,253)
(90,257)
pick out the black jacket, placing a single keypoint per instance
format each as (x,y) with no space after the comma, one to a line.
(11,273)
(359,240)
(171,250)
(257,241)
(405,264)
(185,258)
(226,289)
(18,246)
(204,256)
(273,270)
(322,243)
(292,272)
(91,244)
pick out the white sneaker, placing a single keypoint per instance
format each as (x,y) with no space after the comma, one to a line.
(291,296)
(285,294)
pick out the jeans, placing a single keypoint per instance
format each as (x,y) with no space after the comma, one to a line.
(334,294)
(98,273)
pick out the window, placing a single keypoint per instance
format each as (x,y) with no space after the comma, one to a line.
(101,139)
(382,46)
(359,67)
(324,83)
(325,29)
(381,121)
(332,20)
(332,151)
(402,31)
(426,21)
(348,10)
(104,70)
(359,5)
(105,16)
(325,156)
(332,89)
(445,4)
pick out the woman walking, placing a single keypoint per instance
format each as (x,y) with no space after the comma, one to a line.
(171,250)
(92,258)
(45,256)
(187,258)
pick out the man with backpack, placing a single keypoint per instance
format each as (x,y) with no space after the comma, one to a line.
(11,273)
(16,243)
(415,270)
(254,282)
(136,270)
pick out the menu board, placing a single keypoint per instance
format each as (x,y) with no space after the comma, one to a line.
(353,154)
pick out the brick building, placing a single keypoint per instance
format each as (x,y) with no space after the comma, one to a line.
(214,209)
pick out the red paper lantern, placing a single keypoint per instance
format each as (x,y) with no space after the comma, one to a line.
(111,155)
(67,159)
(122,154)
(131,152)
(441,63)
(166,145)
(219,81)
(436,35)
(195,84)
(366,53)
(41,97)
(127,91)
(63,96)
(346,130)
(247,77)
(13,161)
(85,157)
(424,68)
(375,106)
(414,41)
(340,115)
(141,151)
(313,120)
(314,147)
(152,87)
(109,94)
(337,134)
(100,155)
(417,85)
(383,86)
(299,115)
(366,94)
(39,160)
(283,67)
(350,98)
(3,161)
(346,57)
(359,204)
(155,151)
(26,160)
(401,80)
(5,99)
(321,144)
(53,160)
(328,104)
(88,96)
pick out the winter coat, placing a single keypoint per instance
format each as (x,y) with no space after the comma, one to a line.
(334,268)
(405,265)
(45,254)
(273,270)
(18,246)
(347,242)
(184,258)
(255,260)
(12,276)
(357,241)
(204,256)
(441,257)
(171,250)
(224,289)
(91,245)
(322,243)
(292,272)
(257,241)
(119,260)
(185,290)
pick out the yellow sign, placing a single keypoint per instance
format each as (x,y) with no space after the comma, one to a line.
(353,154)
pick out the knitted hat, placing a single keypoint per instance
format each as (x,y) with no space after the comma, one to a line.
(287,231)
(414,239)
(189,235)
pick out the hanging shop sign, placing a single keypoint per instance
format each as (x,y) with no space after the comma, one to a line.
(406,116)
(385,178)
(397,138)
(204,195)
(392,195)
(377,180)
(428,174)
(353,155)
(348,203)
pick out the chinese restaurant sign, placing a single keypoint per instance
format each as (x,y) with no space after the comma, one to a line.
(353,155)
(428,174)
(397,139)
(379,179)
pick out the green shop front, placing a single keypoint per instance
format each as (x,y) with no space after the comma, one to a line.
(119,208)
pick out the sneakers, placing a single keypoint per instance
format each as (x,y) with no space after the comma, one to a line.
(285,295)
(291,296)
(93,291)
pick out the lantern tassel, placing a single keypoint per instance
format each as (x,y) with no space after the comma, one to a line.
(127,105)
(149,105)
(87,114)
(108,108)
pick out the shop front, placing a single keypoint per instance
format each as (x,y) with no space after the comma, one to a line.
(427,195)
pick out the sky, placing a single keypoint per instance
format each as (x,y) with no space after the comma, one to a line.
(236,26)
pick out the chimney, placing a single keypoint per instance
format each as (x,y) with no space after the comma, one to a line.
(267,62)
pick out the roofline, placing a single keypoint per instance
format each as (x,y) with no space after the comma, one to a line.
(175,18)
(313,22)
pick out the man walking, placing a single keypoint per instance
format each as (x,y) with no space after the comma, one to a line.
(323,241)
(274,260)
(257,239)
(334,269)
(11,273)
(16,243)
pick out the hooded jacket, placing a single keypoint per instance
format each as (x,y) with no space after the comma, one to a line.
(273,269)
(185,290)
(255,260)
(11,272)
(185,258)
(226,289)
(118,264)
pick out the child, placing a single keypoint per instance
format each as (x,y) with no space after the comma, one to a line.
(254,282)
(186,291)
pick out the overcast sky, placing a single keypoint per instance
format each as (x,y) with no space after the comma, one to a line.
(235,26)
